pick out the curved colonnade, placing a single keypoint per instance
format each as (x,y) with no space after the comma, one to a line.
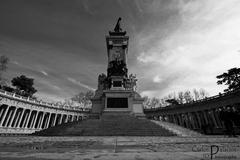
(199,115)
(21,115)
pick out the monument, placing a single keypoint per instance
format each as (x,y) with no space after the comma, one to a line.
(116,91)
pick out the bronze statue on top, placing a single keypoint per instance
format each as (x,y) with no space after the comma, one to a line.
(118,25)
(117,29)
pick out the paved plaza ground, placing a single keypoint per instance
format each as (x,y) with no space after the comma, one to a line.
(119,148)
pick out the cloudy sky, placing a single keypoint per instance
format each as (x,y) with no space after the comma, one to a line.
(174,44)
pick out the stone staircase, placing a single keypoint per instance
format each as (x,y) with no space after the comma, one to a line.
(109,124)
(178,130)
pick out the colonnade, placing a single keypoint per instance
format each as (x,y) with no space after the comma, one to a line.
(201,116)
(17,117)
(194,120)
(208,120)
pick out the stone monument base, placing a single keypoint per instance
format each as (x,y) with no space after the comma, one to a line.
(118,101)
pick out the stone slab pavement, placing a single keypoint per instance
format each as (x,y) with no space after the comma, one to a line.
(119,148)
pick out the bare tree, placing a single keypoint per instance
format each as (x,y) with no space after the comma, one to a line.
(187,96)
(203,93)
(196,94)
(181,97)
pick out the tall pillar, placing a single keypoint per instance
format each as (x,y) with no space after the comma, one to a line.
(174,119)
(35,120)
(41,121)
(72,118)
(186,117)
(191,120)
(21,118)
(205,117)
(49,123)
(180,119)
(61,118)
(11,112)
(17,116)
(1,110)
(196,120)
(213,118)
(55,119)
(4,116)
(25,118)
(13,117)
(28,119)
(216,115)
(66,120)
(47,120)
(199,119)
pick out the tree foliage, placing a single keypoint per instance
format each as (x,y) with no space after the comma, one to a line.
(24,85)
(231,78)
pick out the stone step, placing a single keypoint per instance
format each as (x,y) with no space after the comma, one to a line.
(109,124)
(180,131)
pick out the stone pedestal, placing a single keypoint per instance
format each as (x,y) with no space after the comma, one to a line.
(134,102)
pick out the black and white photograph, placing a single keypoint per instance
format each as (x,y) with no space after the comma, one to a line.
(119,80)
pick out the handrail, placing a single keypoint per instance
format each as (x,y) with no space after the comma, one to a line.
(194,102)
(51,105)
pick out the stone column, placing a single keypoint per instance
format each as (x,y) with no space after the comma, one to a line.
(180,119)
(55,119)
(187,120)
(61,118)
(12,118)
(205,117)
(191,120)
(219,122)
(197,124)
(18,114)
(72,118)
(11,112)
(28,119)
(66,120)
(174,119)
(41,121)
(4,116)
(47,121)
(21,118)
(199,120)
(35,120)
(213,118)
(8,118)
(2,110)
(25,118)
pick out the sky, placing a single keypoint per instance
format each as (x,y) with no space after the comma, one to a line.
(174,45)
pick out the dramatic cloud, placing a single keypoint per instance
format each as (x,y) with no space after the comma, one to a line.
(174,44)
